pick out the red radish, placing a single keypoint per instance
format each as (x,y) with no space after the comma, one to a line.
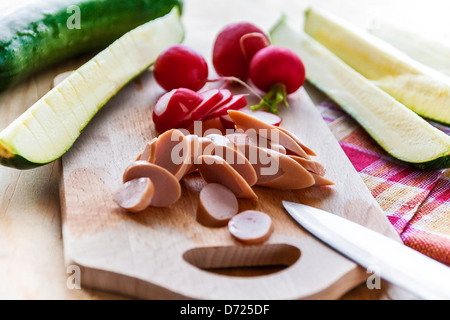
(229,60)
(277,71)
(173,106)
(181,67)
(264,116)
(251,43)
(210,99)
(237,102)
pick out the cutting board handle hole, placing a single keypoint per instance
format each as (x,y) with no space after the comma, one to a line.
(243,260)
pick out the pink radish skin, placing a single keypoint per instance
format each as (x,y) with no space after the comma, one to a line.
(227,96)
(276,65)
(237,102)
(181,67)
(251,43)
(228,58)
(277,71)
(264,116)
(210,99)
(173,106)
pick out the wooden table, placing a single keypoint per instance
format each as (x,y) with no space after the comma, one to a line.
(31,250)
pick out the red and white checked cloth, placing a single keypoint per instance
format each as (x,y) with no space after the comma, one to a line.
(417,203)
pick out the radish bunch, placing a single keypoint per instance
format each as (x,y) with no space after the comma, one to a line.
(242,52)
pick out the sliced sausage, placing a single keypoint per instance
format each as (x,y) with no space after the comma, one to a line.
(215,169)
(225,148)
(251,227)
(267,168)
(308,150)
(173,152)
(246,122)
(135,195)
(242,139)
(167,187)
(310,165)
(199,146)
(149,151)
(320,181)
(217,205)
(277,170)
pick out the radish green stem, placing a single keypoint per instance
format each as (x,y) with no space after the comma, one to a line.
(275,96)
(242,83)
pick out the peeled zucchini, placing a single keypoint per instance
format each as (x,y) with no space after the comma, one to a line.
(50,127)
(402,133)
(420,88)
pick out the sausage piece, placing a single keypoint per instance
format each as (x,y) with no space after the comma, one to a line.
(173,152)
(320,181)
(225,149)
(246,122)
(167,187)
(251,227)
(242,139)
(215,169)
(149,151)
(199,146)
(277,170)
(308,150)
(135,195)
(217,205)
(310,165)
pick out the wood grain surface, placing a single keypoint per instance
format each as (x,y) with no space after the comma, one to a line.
(32,264)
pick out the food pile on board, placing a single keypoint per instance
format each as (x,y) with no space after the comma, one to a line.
(254,150)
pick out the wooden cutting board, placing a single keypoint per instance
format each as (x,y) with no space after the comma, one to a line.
(164,253)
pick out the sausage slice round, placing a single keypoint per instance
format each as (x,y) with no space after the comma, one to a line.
(217,205)
(215,169)
(251,227)
(173,152)
(167,187)
(135,195)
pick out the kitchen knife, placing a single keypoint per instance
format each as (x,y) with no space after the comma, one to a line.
(405,267)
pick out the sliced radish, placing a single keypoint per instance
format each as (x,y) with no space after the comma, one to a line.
(210,99)
(237,102)
(267,117)
(227,96)
(173,106)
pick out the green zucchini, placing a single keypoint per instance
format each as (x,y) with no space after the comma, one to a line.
(49,128)
(420,88)
(401,132)
(40,34)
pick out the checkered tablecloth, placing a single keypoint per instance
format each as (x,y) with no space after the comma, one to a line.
(417,203)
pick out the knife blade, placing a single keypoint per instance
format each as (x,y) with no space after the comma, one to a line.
(398,264)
